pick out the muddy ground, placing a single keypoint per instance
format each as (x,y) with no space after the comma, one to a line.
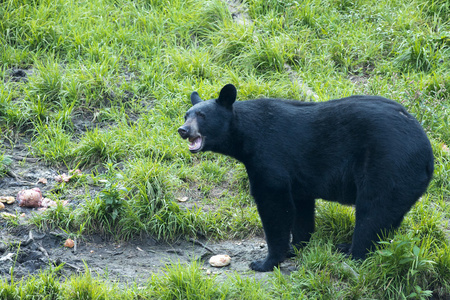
(29,250)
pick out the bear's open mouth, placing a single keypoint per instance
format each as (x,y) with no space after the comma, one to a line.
(196,144)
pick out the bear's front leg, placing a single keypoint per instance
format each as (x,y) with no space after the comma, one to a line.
(277,213)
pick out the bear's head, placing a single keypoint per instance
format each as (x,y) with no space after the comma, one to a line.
(207,123)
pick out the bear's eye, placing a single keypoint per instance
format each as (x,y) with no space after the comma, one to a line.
(200,114)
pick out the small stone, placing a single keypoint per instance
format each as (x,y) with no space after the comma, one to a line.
(8,256)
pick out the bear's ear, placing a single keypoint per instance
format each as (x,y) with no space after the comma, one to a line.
(227,96)
(195,98)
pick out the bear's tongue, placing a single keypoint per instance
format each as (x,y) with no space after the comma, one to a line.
(195,144)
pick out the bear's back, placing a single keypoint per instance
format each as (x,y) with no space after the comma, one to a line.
(316,137)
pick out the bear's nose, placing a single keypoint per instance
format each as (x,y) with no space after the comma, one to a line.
(184,132)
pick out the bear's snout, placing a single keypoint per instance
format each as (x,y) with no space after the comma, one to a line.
(183,131)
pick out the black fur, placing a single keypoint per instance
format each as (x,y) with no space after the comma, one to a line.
(366,151)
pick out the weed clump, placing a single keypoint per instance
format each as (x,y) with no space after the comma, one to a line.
(5,161)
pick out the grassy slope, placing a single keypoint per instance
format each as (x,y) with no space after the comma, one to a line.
(130,66)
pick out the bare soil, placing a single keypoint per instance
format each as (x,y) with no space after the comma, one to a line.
(24,250)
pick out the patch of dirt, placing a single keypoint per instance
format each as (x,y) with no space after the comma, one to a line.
(19,75)
(25,251)
(307,92)
(133,261)
(239,12)
(359,80)
(24,173)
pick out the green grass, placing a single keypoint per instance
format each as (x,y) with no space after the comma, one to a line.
(5,161)
(108,84)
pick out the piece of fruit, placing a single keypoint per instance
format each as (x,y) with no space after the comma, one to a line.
(7,199)
(69,243)
(30,198)
(221,260)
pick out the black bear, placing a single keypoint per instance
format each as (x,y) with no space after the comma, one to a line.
(366,151)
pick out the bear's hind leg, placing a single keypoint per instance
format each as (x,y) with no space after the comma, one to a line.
(373,221)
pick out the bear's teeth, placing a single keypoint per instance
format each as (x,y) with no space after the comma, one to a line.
(195,144)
